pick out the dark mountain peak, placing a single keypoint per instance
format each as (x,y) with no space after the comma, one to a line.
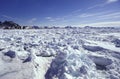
(9,25)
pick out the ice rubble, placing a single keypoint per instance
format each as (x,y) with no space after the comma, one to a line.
(59,54)
(71,64)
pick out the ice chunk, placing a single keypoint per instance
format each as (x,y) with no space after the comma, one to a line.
(10,53)
(101,62)
(116,42)
(93,48)
(28,59)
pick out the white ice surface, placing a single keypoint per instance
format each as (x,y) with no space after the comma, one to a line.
(61,52)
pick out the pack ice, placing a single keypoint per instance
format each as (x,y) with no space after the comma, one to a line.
(75,53)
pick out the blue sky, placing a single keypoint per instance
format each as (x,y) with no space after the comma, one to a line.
(61,12)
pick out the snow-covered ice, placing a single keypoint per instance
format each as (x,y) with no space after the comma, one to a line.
(78,53)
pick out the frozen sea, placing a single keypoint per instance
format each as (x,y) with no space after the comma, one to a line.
(67,53)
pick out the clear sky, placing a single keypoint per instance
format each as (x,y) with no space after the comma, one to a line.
(61,12)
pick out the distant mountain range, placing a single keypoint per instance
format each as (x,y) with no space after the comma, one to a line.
(13,25)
